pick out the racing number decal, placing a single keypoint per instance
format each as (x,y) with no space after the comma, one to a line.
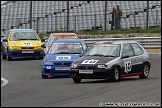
(63,57)
(26,43)
(89,62)
(128,66)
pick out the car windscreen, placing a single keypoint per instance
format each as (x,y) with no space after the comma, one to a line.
(65,48)
(53,38)
(23,36)
(104,50)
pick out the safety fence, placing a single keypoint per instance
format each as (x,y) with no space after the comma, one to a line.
(146,42)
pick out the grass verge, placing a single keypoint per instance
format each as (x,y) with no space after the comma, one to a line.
(101,32)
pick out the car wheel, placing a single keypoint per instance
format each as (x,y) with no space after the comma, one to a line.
(76,80)
(40,57)
(44,76)
(9,58)
(115,76)
(4,56)
(145,71)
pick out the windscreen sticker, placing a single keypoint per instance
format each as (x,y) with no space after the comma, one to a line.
(63,57)
(89,61)
(26,44)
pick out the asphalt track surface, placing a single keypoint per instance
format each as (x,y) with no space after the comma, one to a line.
(26,88)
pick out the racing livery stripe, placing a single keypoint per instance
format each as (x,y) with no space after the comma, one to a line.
(133,74)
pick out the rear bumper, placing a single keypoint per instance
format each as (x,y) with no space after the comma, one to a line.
(97,74)
(18,53)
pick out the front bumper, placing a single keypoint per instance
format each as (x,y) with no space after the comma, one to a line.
(18,53)
(51,71)
(97,74)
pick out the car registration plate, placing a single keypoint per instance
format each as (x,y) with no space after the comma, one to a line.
(27,51)
(62,68)
(86,71)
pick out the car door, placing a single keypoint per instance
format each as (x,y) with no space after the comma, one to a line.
(129,64)
(138,54)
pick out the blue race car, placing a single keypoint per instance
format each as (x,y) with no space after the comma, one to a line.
(61,55)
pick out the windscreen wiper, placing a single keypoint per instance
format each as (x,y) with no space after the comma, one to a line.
(22,39)
(97,55)
(32,39)
(75,53)
(62,53)
(109,56)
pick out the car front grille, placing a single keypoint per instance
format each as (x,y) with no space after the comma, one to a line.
(62,63)
(86,67)
(27,47)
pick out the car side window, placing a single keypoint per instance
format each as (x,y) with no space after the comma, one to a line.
(137,49)
(127,49)
(7,34)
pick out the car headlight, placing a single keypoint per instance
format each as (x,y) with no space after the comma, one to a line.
(74,65)
(100,66)
(47,63)
(106,66)
(74,59)
(15,47)
(38,47)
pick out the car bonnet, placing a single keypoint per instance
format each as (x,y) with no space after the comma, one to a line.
(94,60)
(61,57)
(26,43)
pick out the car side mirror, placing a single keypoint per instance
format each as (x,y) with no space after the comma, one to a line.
(86,50)
(80,55)
(125,55)
(5,40)
(43,46)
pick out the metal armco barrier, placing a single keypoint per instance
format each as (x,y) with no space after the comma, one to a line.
(146,42)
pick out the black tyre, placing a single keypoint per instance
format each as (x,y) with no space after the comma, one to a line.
(145,71)
(44,76)
(40,57)
(9,58)
(76,80)
(116,74)
(4,56)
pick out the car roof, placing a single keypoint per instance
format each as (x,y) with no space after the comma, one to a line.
(16,30)
(69,40)
(115,42)
(63,34)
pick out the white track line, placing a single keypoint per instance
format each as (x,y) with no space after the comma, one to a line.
(4,81)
